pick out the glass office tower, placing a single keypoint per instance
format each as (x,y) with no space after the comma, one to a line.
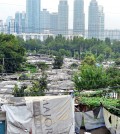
(33,8)
(63,17)
(79,18)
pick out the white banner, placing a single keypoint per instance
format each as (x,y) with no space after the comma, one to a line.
(42,115)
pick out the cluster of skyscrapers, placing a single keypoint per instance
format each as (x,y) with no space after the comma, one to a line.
(35,20)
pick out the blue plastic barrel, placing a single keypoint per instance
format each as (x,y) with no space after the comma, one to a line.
(2,127)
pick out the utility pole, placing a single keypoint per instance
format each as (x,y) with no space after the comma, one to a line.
(80,54)
(3,66)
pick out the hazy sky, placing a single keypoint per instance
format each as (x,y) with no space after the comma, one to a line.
(111,9)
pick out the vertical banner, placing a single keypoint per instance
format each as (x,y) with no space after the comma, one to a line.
(57,115)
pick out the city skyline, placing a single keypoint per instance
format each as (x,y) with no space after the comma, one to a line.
(112,17)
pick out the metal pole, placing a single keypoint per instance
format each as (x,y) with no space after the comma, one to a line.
(3,66)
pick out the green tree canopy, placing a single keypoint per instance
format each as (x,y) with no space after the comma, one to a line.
(114,76)
(90,77)
(117,62)
(110,49)
(11,53)
(100,58)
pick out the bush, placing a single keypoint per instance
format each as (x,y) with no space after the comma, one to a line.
(42,65)
(30,67)
(39,87)
(89,60)
(58,62)
(19,92)
(74,65)
(23,77)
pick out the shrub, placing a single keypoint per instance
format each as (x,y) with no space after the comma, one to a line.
(58,62)
(23,77)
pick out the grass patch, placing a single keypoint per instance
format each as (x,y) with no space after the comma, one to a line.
(30,67)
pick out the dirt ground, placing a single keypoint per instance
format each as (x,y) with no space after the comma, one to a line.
(102,130)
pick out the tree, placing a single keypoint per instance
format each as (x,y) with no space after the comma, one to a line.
(11,53)
(67,47)
(107,41)
(100,58)
(58,62)
(76,55)
(117,62)
(108,52)
(33,45)
(90,77)
(114,79)
(64,52)
(114,76)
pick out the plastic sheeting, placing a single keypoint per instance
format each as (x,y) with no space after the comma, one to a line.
(92,122)
(19,119)
(78,121)
(112,122)
(118,127)
(42,115)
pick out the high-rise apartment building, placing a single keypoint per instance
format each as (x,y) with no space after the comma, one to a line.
(93,20)
(5,29)
(8,23)
(63,17)
(20,22)
(1,26)
(79,18)
(33,8)
(101,23)
(11,26)
(54,23)
(8,19)
(23,22)
(44,21)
